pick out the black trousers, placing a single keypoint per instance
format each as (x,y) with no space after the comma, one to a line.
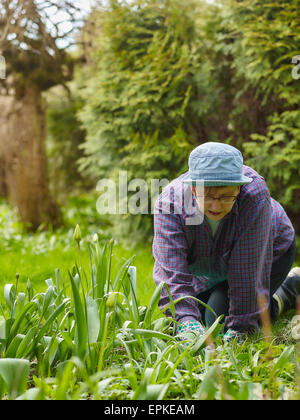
(217,297)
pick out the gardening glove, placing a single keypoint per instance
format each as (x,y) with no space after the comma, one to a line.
(232,334)
(189,329)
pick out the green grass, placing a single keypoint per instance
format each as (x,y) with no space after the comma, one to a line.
(40,267)
(36,257)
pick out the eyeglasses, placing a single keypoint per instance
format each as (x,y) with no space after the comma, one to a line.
(224,199)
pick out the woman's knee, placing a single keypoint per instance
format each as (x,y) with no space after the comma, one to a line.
(218,302)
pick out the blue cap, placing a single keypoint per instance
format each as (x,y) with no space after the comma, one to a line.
(216,164)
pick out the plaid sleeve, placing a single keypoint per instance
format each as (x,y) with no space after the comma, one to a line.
(170,251)
(250,266)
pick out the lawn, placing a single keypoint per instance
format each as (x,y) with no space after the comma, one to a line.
(39,267)
(36,257)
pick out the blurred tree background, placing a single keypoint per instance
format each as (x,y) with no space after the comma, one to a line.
(152,79)
(31,42)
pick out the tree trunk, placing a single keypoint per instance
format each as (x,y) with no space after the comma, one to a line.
(22,149)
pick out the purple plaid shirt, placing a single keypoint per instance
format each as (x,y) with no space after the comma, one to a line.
(190,260)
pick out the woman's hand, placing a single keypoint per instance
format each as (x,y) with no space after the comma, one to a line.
(231,335)
(189,329)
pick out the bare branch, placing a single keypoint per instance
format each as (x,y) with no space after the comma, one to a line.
(31,38)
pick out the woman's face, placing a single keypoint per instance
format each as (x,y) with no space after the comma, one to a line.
(218,201)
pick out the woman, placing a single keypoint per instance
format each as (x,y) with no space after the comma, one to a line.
(242,248)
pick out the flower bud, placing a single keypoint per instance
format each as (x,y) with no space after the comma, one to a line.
(95,238)
(28,285)
(110,303)
(77,234)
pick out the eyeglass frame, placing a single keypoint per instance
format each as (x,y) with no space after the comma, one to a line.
(211,199)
